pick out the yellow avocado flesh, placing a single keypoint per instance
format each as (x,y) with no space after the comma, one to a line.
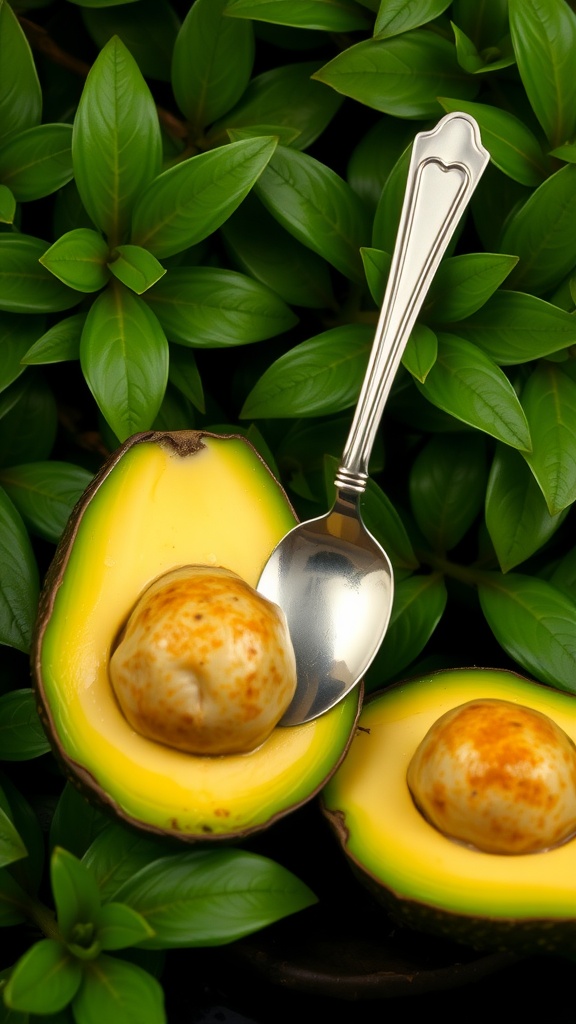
(155,510)
(388,838)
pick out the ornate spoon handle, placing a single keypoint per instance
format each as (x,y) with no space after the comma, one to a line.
(445,167)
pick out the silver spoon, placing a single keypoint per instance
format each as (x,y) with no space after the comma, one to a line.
(330,576)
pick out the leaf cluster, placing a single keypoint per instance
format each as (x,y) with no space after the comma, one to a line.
(198,205)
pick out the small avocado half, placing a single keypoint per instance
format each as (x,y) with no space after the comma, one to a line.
(161,501)
(425,879)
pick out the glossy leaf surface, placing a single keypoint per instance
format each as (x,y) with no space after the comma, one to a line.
(211,62)
(116,143)
(19,579)
(401,76)
(212,897)
(212,308)
(317,206)
(188,202)
(124,357)
(320,376)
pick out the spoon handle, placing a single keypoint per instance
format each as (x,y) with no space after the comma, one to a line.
(445,167)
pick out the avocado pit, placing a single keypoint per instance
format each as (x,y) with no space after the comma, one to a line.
(498,776)
(204,663)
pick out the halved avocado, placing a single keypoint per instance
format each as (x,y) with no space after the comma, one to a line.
(164,500)
(424,878)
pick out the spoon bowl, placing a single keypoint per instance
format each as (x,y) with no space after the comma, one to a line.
(333,580)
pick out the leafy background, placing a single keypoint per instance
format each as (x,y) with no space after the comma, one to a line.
(198,202)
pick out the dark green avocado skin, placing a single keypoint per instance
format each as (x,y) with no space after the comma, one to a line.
(497,935)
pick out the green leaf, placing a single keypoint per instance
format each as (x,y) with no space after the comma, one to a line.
(20,90)
(544,40)
(402,76)
(76,822)
(14,902)
(19,580)
(7,205)
(38,161)
(317,207)
(137,268)
(118,991)
(183,373)
(513,147)
(11,844)
(25,285)
(486,24)
(116,141)
(535,623)
(542,233)
(28,420)
(75,892)
(323,15)
(397,16)
(564,572)
(118,927)
(45,494)
(549,401)
(212,897)
(517,518)
(285,95)
(79,259)
(100,3)
(474,62)
(421,352)
(188,202)
(22,736)
(59,343)
(463,284)
(149,31)
(374,156)
(207,307)
(212,62)
(116,854)
(29,871)
(44,980)
(377,269)
(515,327)
(447,483)
(419,604)
(465,383)
(265,251)
(320,376)
(124,358)
(286,136)
(17,334)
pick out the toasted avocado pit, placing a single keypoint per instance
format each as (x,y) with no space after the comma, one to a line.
(205,663)
(497,775)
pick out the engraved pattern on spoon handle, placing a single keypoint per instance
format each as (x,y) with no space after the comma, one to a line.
(445,167)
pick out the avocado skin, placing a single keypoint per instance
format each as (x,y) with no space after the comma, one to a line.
(487,935)
(551,931)
(197,798)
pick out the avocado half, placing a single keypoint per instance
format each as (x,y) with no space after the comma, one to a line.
(423,878)
(164,500)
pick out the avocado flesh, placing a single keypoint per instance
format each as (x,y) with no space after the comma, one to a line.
(423,877)
(166,500)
